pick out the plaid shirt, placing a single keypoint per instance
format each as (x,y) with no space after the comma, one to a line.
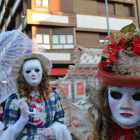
(53,112)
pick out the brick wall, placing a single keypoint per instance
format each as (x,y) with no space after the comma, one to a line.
(85,6)
(135,19)
(89,7)
(119,11)
(88,40)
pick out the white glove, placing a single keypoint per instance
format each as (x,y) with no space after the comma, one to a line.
(23,107)
(49,132)
(1,132)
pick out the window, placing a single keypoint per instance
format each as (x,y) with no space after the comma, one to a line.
(103,41)
(58,41)
(128,10)
(38,2)
(39,38)
(55,39)
(43,40)
(42,5)
(47,39)
(62,42)
(45,3)
(101,8)
(62,39)
(70,38)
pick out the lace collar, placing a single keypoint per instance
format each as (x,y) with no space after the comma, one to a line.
(33,93)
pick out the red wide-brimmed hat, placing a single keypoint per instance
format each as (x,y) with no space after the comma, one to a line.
(120,63)
(107,78)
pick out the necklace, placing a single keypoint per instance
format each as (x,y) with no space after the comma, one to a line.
(35,95)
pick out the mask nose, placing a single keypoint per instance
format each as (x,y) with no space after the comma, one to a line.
(33,74)
(126,104)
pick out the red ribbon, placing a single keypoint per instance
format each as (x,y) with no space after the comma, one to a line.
(38,100)
(119,131)
(39,108)
(68,126)
(37,121)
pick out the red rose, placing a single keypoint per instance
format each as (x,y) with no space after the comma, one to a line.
(136,41)
(106,51)
(136,49)
(112,58)
(111,39)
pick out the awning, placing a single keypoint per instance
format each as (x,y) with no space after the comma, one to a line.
(58,71)
(63,71)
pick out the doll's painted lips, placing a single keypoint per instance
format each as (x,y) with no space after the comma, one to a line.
(126,114)
(33,78)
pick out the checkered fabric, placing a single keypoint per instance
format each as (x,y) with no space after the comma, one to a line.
(53,112)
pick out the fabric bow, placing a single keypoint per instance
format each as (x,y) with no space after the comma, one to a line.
(38,100)
(38,121)
(119,131)
(39,108)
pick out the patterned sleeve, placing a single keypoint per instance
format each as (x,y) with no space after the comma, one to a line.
(11,111)
(59,115)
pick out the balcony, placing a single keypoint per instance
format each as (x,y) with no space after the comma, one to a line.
(7,2)
(16,4)
(0,2)
(25,22)
(56,19)
(3,29)
(2,14)
(8,20)
(20,28)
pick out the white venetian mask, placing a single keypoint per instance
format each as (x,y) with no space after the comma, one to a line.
(124,104)
(32,71)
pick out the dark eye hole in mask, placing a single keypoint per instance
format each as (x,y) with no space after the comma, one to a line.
(37,70)
(116,94)
(136,96)
(28,71)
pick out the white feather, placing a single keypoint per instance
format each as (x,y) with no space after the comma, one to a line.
(126,63)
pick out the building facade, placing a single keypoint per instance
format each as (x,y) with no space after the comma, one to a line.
(61,25)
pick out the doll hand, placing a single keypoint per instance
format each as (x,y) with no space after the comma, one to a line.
(49,132)
(23,106)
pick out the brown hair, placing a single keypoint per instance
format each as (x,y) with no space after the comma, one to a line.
(24,89)
(103,123)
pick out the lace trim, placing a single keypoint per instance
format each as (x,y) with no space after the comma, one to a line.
(33,93)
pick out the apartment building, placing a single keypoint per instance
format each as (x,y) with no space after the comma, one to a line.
(62,25)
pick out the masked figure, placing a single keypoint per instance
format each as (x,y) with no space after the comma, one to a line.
(117,102)
(31,72)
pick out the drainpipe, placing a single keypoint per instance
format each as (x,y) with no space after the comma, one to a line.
(107,17)
(138,13)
